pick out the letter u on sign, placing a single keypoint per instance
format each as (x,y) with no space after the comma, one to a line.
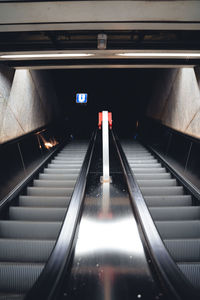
(81,98)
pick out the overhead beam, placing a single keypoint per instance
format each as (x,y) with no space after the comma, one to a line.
(93,15)
(79,67)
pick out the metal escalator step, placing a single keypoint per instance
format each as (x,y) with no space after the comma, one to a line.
(143,159)
(153,176)
(139,156)
(146,166)
(175,213)
(64,166)
(67,160)
(71,155)
(61,171)
(58,176)
(192,272)
(44,201)
(184,250)
(178,200)
(66,163)
(162,191)
(18,277)
(39,191)
(54,183)
(140,161)
(134,153)
(29,230)
(148,170)
(74,153)
(134,149)
(157,183)
(178,229)
(37,213)
(36,251)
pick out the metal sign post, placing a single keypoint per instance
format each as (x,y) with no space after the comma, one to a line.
(105,118)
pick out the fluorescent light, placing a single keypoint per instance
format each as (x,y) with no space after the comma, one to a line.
(159,54)
(47,55)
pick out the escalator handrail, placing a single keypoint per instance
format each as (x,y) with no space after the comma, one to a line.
(183,181)
(48,281)
(18,189)
(170,275)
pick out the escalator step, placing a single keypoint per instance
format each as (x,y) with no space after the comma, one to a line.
(71,155)
(57,177)
(162,191)
(145,166)
(184,250)
(64,166)
(175,213)
(148,170)
(157,183)
(192,272)
(61,171)
(74,150)
(29,230)
(182,200)
(140,161)
(42,201)
(39,191)
(37,214)
(139,156)
(18,277)
(66,163)
(54,183)
(152,176)
(35,251)
(178,229)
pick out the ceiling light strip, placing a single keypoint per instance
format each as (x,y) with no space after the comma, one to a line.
(47,55)
(158,55)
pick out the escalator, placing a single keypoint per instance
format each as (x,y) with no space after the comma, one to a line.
(174,211)
(60,238)
(31,227)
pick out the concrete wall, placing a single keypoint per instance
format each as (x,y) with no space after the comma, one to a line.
(27,102)
(175,99)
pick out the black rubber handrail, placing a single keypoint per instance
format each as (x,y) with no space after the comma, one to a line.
(48,281)
(170,275)
(7,200)
(183,181)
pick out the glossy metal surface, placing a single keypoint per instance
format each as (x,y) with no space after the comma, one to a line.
(109,260)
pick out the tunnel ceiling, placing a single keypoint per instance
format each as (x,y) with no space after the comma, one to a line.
(22,42)
(65,40)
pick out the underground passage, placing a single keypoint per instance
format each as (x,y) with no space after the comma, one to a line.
(64,231)
(99,150)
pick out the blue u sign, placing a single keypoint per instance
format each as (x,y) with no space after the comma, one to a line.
(81,98)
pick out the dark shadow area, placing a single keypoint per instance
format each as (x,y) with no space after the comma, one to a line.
(123,92)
